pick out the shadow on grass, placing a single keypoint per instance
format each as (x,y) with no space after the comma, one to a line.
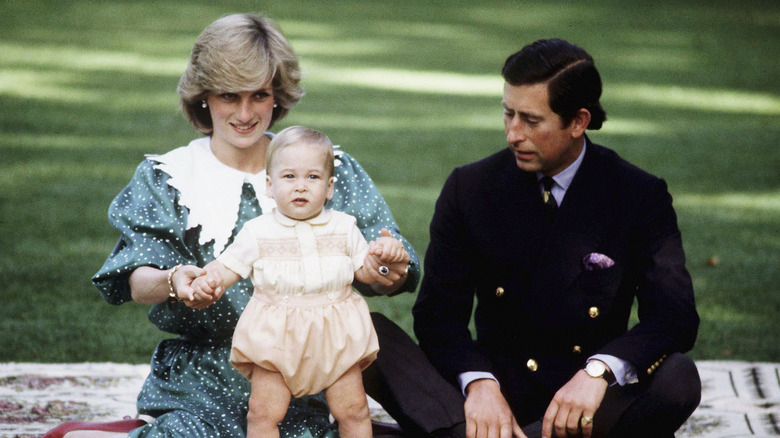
(411,90)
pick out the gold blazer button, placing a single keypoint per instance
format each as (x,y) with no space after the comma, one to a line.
(499,292)
(576,349)
(532,365)
(593,312)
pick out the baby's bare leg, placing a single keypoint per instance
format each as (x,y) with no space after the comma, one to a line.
(267,403)
(349,406)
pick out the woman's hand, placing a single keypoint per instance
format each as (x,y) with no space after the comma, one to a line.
(385,266)
(201,288)
(193,288)
(149,285)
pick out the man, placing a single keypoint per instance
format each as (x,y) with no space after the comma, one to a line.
(555,266)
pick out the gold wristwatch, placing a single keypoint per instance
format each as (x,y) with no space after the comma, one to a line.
(596,368)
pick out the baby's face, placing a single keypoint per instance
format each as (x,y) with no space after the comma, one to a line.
(299,182)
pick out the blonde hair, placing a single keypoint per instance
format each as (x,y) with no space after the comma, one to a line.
(297,135)
(240,52)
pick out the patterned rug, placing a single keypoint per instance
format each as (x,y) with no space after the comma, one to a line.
(739,399)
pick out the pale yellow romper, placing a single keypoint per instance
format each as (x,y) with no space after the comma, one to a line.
(304,320)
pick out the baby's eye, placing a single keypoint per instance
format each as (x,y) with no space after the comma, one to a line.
(314,177)
(288,176)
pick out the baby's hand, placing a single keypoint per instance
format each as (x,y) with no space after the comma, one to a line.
(204,288)
(388,249)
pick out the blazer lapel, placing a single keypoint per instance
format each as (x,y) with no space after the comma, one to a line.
(521,226)
(580,223)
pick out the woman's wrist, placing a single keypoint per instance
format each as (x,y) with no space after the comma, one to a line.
(173,297)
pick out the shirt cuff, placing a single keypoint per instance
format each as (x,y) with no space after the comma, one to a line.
(624,371)
(469,376)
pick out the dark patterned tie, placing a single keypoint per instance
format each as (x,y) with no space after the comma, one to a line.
(547,196)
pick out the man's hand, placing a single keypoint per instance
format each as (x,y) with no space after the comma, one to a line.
(580,397)
(487,412)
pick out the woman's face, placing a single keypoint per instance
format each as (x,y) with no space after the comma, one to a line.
(240,119)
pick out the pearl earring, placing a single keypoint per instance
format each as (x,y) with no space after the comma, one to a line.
(204,104)
(275,105)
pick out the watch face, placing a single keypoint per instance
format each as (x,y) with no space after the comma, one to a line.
(595,368)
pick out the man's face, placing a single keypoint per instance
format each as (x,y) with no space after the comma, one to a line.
(536,134)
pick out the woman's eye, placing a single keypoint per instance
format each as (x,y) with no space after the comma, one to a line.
(262,95)
(228,96)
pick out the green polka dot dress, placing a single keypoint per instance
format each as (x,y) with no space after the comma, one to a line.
(186,207)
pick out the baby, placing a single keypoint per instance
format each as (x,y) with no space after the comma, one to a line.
(304,330)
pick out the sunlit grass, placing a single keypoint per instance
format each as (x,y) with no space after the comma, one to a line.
(64,142)
(70,58)
(748,204)
(406,80)
(412,90)
(700,99)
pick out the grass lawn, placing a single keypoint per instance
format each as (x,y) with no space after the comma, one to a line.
(411,89)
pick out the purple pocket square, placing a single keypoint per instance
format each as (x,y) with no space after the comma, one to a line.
(595,261)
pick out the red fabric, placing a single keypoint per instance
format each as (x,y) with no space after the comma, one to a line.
(111,426)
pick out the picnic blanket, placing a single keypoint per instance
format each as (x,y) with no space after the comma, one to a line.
(739,399)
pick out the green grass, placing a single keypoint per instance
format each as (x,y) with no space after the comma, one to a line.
(412,90)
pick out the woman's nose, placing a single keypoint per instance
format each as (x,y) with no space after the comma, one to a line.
(245,110)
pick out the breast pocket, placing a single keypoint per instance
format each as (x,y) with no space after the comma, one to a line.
(600,282)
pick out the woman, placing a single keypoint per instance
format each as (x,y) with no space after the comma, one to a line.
(180,211)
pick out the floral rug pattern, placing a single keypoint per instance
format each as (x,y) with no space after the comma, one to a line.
(739,399)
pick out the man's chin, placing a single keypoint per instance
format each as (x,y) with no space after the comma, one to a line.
(528,166)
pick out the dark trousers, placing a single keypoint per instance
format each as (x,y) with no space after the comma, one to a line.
(410,389)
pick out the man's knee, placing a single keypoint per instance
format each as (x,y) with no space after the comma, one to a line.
(680,384)
(656,408)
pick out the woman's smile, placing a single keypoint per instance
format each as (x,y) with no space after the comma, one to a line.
(244,128)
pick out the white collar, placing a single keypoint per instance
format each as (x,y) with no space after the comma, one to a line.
(209,189)
(565,177)
(320,219)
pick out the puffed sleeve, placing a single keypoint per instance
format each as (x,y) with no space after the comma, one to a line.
(358,247)
(356,194)
(152,228)
(242,253)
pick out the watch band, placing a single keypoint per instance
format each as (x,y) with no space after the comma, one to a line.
(600,371)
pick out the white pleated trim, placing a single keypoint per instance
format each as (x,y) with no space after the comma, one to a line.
(209,189)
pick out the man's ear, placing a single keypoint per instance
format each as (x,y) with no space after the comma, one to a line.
(580,123)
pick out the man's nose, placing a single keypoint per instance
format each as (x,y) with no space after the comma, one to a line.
(515,130)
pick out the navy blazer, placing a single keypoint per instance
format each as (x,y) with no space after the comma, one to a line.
(539,313)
